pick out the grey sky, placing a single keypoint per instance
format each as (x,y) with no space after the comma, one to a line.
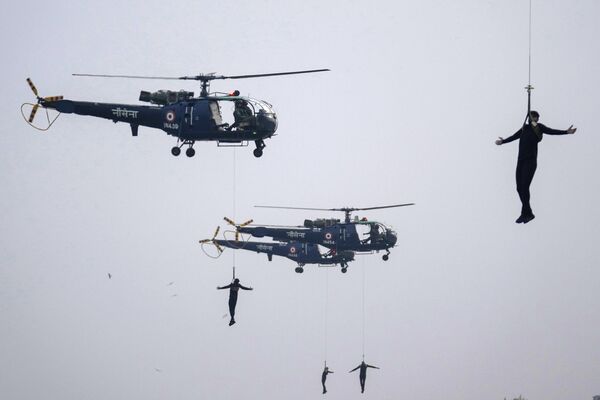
(469,306)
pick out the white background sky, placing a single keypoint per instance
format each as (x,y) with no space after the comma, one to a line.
(470,304)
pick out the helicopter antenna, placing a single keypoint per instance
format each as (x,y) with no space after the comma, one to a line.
(204,78)
(346,210)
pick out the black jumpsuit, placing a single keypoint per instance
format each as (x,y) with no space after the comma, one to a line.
(324,378)
(233,295)
(362,374)
(529,137)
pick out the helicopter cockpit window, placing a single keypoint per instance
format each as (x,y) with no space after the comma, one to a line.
(243,114)
(374,232)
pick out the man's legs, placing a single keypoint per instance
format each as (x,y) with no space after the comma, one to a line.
(232,303)
(525,172)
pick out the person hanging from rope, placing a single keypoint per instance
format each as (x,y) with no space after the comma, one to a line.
(362,375)
(324,377)
(529,136)
(233,287)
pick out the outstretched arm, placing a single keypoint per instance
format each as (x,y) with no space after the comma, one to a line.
(245,288)
(550,131)
(224,287)
(510,138)
(372,366)
(354,369)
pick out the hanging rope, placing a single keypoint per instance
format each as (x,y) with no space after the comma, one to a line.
(234,201)
(529,88)
(363,309)
(326,314)
(529,82)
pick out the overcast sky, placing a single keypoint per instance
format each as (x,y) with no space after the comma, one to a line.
(469,306)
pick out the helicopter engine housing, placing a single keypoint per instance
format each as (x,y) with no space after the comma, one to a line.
(164,97)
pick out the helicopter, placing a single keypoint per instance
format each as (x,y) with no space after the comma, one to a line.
(179,113)
(357,235)
(301,252)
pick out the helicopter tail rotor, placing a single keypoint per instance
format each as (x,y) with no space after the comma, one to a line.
(40,101)
(32,86)
(237,226)
(213,240)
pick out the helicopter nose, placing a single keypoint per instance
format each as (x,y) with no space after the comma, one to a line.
(391,238)
(267,121)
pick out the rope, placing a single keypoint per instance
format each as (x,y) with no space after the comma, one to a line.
(529,87)
(234,201)
(529,43)
(363,309)
(326,312)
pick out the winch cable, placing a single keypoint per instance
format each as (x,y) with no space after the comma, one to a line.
(529,88)
(234,201)
(363,309)
(326,317)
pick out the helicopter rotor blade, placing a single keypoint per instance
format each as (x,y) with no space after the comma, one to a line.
(213,241)
(229,221)
(201,77)
(273,74)
(375,208)
(299,208)
(237,236)
(32,86)
(345,209)
(126,76)
(246,223)
(33,111)
(53,98)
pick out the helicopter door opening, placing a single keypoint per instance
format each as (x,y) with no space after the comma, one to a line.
(215,112)
(362,231)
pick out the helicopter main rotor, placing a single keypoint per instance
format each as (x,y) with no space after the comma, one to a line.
(204,78)
(346,210)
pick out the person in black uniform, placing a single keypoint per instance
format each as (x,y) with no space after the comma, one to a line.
(362,375)
(233,295)
(529,136)
(242,115)
(324,377)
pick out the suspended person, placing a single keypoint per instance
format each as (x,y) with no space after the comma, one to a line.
(324,377)
(233,295)
(363,374)
(529,136)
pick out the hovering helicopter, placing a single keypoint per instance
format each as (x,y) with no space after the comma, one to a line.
(179,113)
(301,243)
(357,235)
(301,252)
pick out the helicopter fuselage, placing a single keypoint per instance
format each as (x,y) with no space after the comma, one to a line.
(339,236)
(195,119)
(300,252)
